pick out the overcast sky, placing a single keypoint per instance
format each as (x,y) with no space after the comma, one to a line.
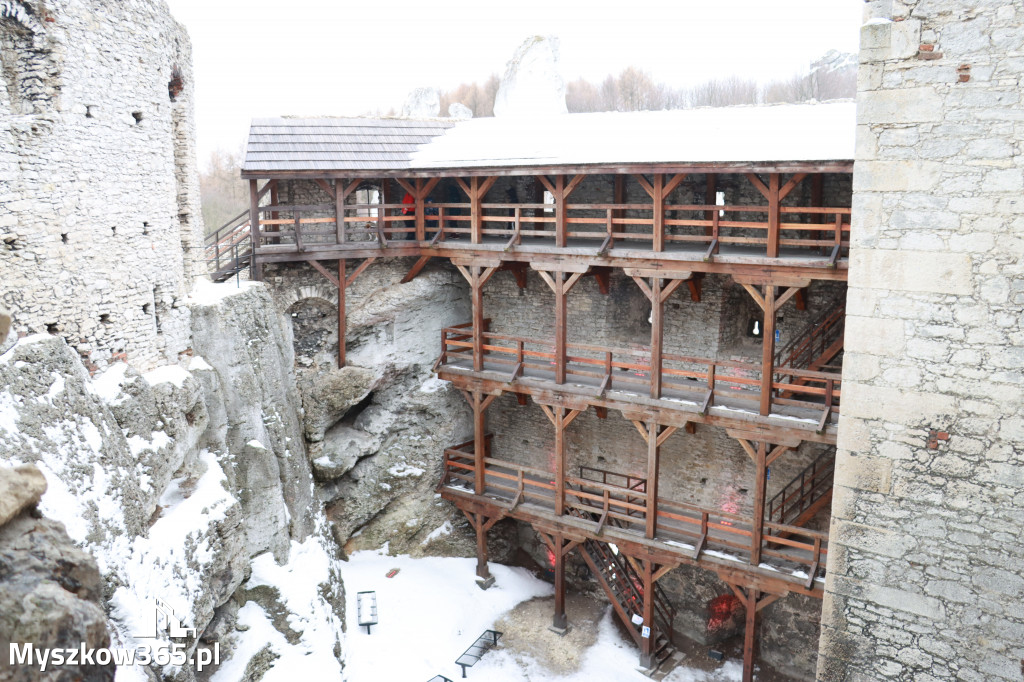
(339,57)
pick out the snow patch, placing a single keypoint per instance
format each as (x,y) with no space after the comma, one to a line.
(198,363)
(208,293)
(172,374)
(107,386)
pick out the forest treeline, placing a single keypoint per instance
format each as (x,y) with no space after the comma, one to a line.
(834,76)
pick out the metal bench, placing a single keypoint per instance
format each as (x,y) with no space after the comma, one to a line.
(366,609)
(484,643)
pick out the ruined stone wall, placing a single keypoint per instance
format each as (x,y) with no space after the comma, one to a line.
(97,170)
(925,576)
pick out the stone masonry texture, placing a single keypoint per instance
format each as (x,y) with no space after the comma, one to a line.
(97,169)
(926,567)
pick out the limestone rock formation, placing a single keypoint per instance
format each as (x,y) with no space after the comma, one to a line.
(176,479)
(20,488)
(50,595)
(327,396)
(459,111)
(5,325)
(532,85)
(422,103)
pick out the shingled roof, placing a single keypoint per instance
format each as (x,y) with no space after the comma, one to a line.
(794,133)
(286,144)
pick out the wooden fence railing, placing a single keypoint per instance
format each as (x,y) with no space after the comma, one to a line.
(700,529)
(703,381)
(825,230)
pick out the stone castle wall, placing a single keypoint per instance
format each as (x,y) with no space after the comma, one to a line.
(925,577)
(97,170)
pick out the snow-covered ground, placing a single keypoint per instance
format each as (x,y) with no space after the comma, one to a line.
(432,610)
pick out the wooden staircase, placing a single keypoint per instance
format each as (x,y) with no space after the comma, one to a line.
(624,586)
(228,250)
(817,344)
(806,494)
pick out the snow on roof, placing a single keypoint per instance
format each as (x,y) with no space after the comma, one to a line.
(804,132)
(741,134)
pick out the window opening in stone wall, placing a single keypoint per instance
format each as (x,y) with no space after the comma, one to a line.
(137,115)
(720,201)
(88,110)
(754,328)
(64,237)
(549,198)
(105,319)
(176,84)
(145,228)
(52,329)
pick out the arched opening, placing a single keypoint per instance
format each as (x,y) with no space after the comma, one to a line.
(314,332)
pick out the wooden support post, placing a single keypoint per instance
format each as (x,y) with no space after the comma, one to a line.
(561,284)
(768,350)
(711,199)
(757,524)
(559,621)
(647,643)
(658,208)
(559,460)
(254,230)
(420,198)
(482,571)
(478,320)
(479,403)
(774,220)
(560,222)
(657,335)
(561,320)
(750,636)
(475,212)
(342,322)
(653,461)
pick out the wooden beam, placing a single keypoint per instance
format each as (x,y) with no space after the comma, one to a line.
(791,185)
(671,185)
(774,215)
(768,351)
(415,269)
(658,209)
(573,184)
(777,452)
(657,336)
(323,271)
(359,270)
(342,314)
(646,185)
(254,229)
(750,637)
(756,295)
(760,486)
(759,185)
(331,192)
(559,621)
(653,461)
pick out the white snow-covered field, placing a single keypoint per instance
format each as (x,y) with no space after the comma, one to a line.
(432,610)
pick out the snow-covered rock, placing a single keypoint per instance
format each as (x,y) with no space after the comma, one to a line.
(422,103)
(532,85)
(174,480)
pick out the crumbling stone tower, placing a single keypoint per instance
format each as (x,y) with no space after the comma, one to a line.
(926,567)
(97,170)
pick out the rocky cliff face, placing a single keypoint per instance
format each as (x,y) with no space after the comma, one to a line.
(376,428)
(191,485)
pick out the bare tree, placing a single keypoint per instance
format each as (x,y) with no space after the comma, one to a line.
(222,191)
(582,96)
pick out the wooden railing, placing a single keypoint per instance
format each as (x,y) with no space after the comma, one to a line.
(824,230)
(806,488)
(683,525)
(813,340)
(228,248)
(703,381)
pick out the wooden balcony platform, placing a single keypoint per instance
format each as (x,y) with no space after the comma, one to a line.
(792,559)
(699,390)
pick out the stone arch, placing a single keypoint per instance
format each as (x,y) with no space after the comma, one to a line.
(292,295)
